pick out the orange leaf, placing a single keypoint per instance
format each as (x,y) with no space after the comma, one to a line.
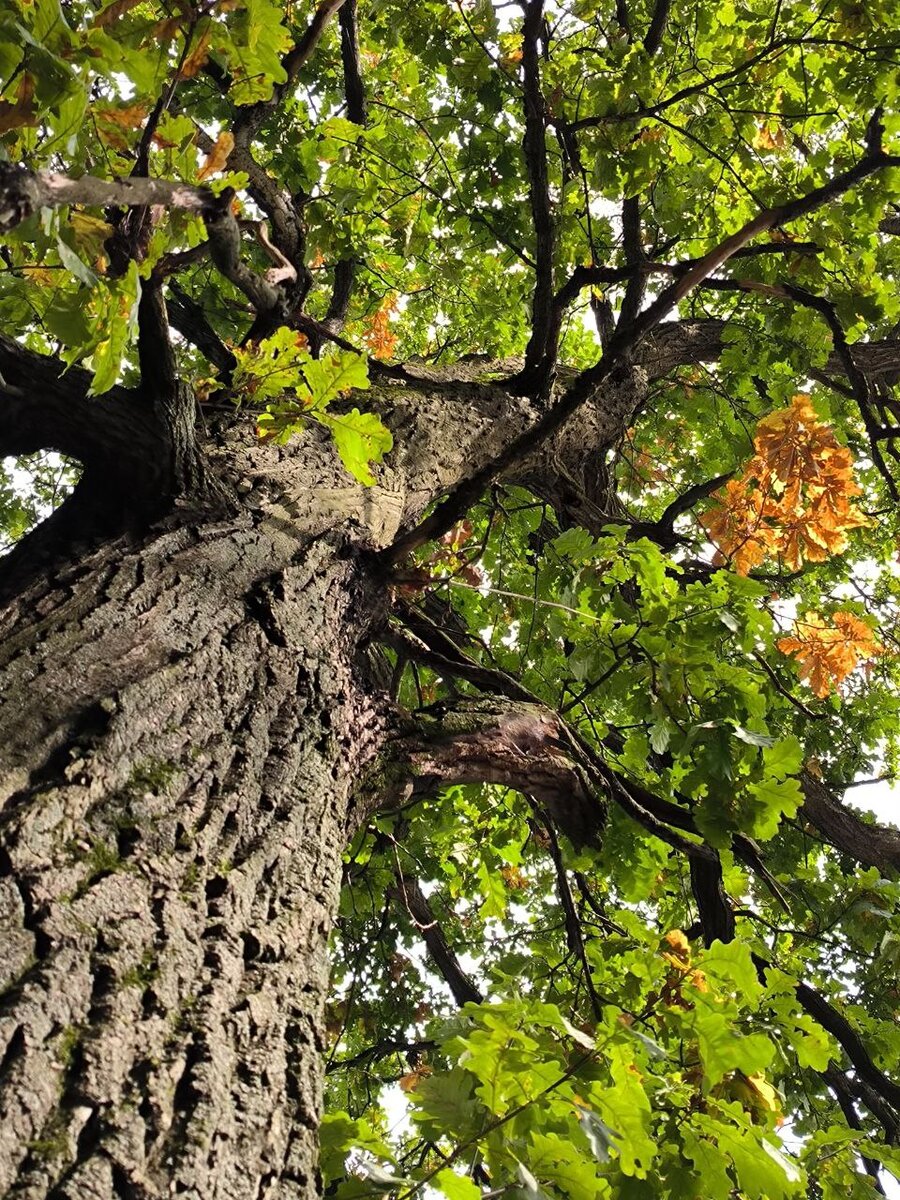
(828,653)
(409,1083)
(378,336)
(218,156)
(793,499)
(197,57)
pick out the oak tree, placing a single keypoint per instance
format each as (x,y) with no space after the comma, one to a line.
(451,518)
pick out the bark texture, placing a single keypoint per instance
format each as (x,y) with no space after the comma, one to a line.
(183,725)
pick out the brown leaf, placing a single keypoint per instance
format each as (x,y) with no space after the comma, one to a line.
(218,156)
(132,116)
(197,57)
(15,114)
(113,11)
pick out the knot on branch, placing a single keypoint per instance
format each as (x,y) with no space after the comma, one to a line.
(512,743)
(20,195)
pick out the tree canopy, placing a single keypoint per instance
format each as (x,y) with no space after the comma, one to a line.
(658,955)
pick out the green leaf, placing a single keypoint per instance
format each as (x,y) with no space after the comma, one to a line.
(456,1187)
(361,440)
(784,758)
(116,325)
(332,375)
(753,739)
(599,1135)
(73,263)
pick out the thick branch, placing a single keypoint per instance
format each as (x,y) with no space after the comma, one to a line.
(23,191)
(514,744)
(868,843)
(708,887)
(657,29)
(684,343)
(840,1028)
(46,406)
(188,317)
(537,366)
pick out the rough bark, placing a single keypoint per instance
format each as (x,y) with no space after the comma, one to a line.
(184,723)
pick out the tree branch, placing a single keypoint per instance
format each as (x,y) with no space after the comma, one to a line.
(626,340)
(835,1023)
(840,1085)
(686,343)
(354,94)
(46,406)
(23,191)
(574,938)
(868,843)
(413,900)
(657,28)
(538,366)
(514,744)
(188,317)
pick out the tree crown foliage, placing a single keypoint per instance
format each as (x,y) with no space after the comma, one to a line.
(698,996)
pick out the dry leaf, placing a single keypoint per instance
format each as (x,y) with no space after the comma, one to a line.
(792,500)
(20,112)
(767,138)
(218,156)
(827,653)
(113,11)
(197,57)
(409,1083)
(163,31)
(378,336)
(130,117)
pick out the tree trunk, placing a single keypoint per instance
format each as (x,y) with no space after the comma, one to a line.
(187,710)
(183,721)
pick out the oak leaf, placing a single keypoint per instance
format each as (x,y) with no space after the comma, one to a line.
(218,156)
(827,653)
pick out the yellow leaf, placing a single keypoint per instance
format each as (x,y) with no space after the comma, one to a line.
(86,225)
(766,1095)
(677,939)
